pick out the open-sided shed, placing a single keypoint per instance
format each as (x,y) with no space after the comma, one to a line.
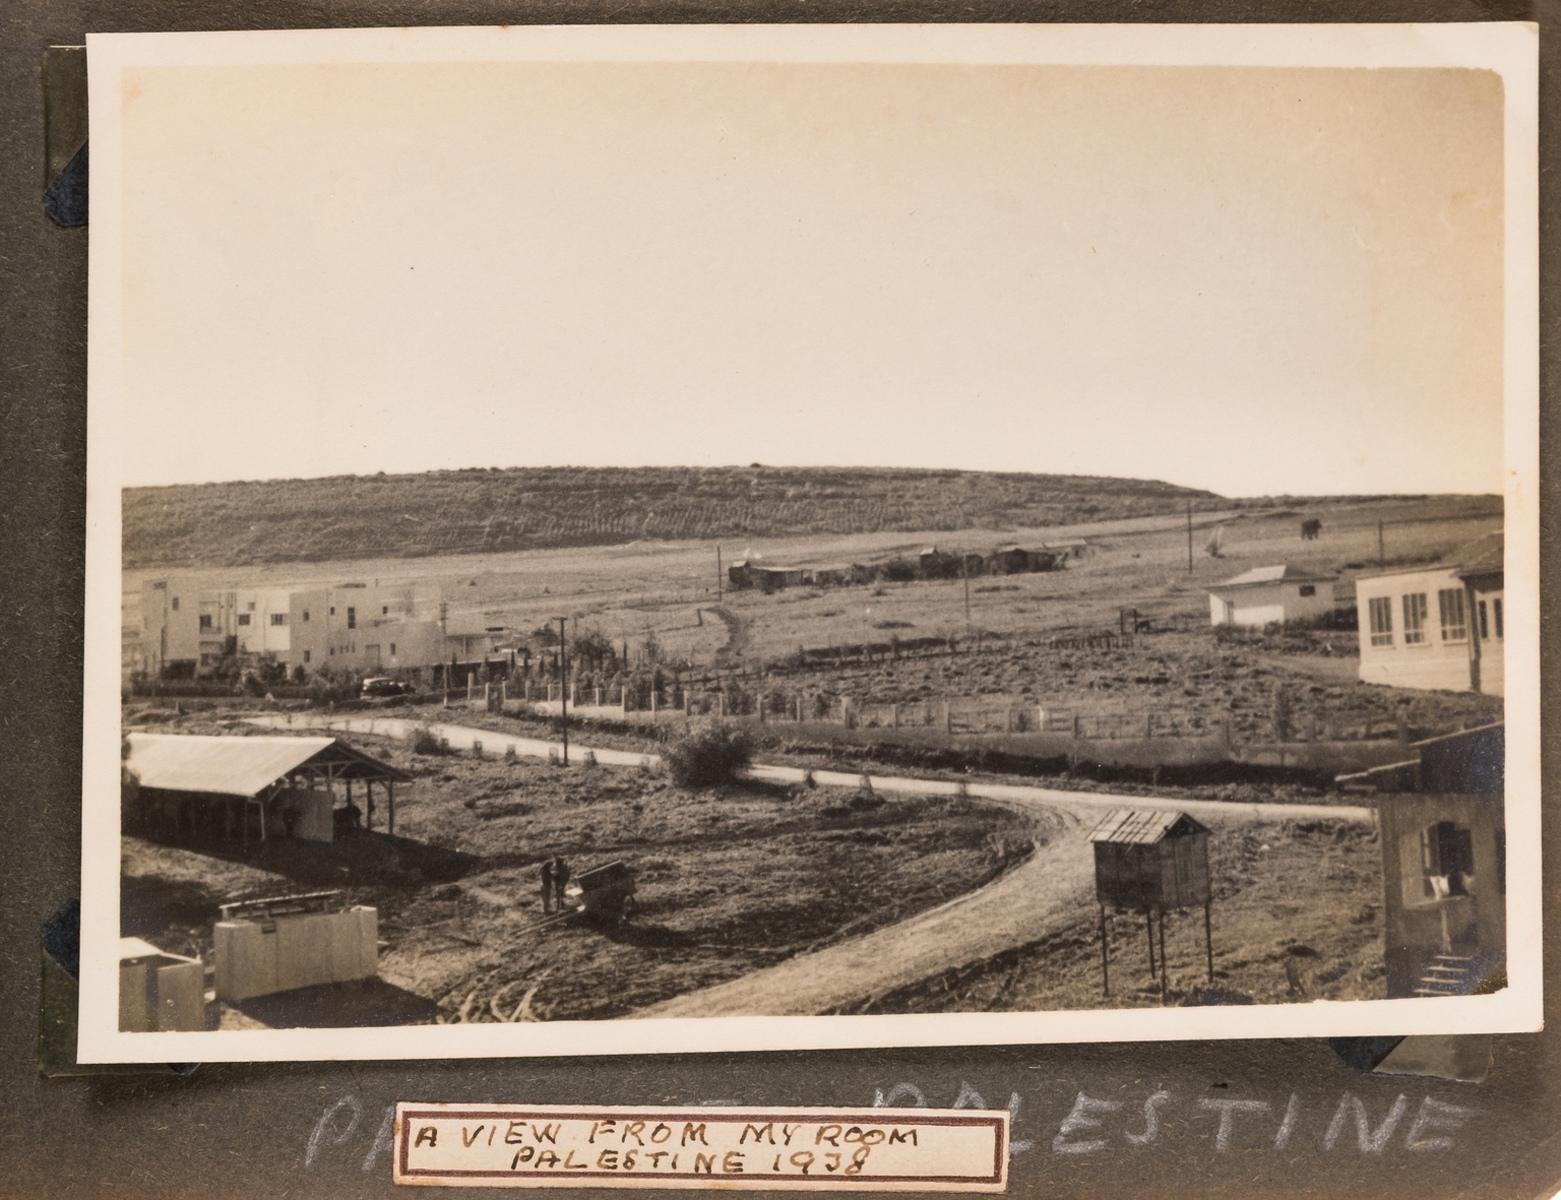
(1151,861)
(277,778)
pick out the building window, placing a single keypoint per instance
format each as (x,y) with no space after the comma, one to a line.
(306,656)
(384,610)
(1381,611)
(1415,608)
(352,618)
(205,621)
(251,606)
(1496,608)
(332,611)
(392,649)
(243,618)
(1437,862)
(1308,589)
(281,618)
(1485,625)
(306,614)
(1455,621)
(174,604)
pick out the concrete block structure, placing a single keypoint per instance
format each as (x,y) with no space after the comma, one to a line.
(258,956)
(159,991)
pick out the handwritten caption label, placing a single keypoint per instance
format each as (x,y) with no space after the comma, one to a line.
(466,1145)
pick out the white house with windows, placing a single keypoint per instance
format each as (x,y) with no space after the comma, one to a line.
(1438,627)
(1271,596)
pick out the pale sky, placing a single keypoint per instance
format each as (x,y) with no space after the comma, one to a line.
(1253,280)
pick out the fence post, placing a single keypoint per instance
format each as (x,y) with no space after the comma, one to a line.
(948,718)
(1078,727)
(1149,727)
(895,707)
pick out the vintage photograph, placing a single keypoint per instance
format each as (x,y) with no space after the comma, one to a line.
(709,538)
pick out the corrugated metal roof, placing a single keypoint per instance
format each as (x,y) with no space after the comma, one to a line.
(1141,826)
(239,766)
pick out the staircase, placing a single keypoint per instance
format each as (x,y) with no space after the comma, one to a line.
(1448,975)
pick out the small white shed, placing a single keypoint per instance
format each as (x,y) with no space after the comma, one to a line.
(1270,596)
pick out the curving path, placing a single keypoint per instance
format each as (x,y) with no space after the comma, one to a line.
(1030,901)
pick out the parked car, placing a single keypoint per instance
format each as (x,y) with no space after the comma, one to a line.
(384,685)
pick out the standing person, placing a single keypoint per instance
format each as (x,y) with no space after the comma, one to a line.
(560,877)
(547,885)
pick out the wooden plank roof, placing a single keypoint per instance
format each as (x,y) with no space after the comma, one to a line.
(1142,826)
(243,766)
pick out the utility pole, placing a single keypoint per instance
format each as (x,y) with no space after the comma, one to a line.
(964,570)
(718,574)
(563,686)
(1189,537)
(1382,554)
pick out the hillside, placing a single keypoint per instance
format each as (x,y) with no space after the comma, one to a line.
(448,512)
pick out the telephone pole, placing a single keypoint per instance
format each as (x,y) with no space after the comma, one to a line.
(964,570)
(563,686)
(1382,554)
(1189,537)
(718,574)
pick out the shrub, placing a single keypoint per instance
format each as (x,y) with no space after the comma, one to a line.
(426,741)
(709,757)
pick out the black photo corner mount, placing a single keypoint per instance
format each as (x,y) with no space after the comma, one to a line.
(65,200)
(57,1003)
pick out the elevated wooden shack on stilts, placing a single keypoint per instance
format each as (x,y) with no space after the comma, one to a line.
(1151,861)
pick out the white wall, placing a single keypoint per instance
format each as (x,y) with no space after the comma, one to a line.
(1266,604)
(1434,664)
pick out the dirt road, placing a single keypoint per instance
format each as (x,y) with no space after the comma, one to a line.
(1018,908)
(461,737)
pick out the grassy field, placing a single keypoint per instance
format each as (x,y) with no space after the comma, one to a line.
(453,512)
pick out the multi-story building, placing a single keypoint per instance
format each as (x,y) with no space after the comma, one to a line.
(186,628)
(356,626)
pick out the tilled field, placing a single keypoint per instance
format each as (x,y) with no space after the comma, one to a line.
(1191,678)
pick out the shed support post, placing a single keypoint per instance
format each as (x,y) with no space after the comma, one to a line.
(1208,935)
(368,805)
(1105,956)
(1164,974)
(390,798)
(1149,927)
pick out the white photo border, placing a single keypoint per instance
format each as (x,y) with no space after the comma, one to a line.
(1510,49)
